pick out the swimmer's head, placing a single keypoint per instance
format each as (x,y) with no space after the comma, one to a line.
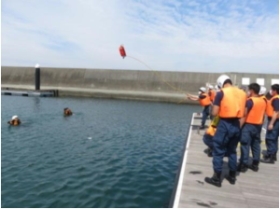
(14,117)
(14,121)
(67,111)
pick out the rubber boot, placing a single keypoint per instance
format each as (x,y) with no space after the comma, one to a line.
(242,167)
(268,159)
(231,177)
(215,179)
(254,166)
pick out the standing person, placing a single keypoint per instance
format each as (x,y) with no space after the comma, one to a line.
(212,94)
(229,105)
(272,132)
(251,131)
(204,101)
(217,88)
(262,93)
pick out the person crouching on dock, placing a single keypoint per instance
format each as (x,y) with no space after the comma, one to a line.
(209,134)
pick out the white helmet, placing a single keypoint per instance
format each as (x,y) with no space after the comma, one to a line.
(262,90)
(203,89)
(14,117)
(210,87)
(221,80)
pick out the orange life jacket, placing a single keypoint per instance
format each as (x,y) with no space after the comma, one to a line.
(213,94)
(264,98)
(233,103)
(256,114)
(269,107)
(206,101)
(211,130)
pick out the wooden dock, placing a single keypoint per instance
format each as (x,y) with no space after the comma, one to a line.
(29,93)
(251,190)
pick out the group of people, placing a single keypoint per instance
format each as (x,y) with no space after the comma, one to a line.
(238,117)
(206,100)
(15,121)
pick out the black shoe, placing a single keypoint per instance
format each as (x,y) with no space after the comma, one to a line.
(214,180)
(231,177)
(265,155)
(210,153)
(274,157)
(268,159)
(206,151)
(242,167)
(264,152)
(254,166)
(202,127)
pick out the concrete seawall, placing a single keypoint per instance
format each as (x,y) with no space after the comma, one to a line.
(123,84)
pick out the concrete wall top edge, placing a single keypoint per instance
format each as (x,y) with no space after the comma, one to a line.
(141,80)
(127,70)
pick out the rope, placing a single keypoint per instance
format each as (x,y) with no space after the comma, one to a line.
(173,87)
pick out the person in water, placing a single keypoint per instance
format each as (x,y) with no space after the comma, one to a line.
(15,121)
(67,111)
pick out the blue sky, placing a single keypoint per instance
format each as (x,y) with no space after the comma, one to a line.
(173,35)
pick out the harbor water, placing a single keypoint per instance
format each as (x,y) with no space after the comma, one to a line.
(109,153)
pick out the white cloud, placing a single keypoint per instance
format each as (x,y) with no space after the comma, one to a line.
(187,36)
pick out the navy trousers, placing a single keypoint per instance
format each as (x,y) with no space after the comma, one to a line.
(205,114)
(271,138)
(250,137)
(208,140)
(225,140)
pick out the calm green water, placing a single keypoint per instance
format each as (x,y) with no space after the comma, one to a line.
(110,153)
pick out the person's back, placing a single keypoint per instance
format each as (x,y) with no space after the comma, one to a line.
(232,103)
(229,105)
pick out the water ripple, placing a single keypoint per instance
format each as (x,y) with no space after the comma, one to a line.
(108,154)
